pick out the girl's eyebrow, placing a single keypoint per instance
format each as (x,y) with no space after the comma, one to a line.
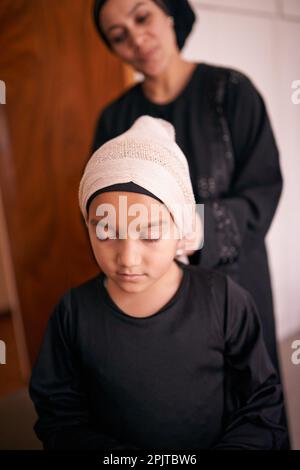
(155,223)
(128,14)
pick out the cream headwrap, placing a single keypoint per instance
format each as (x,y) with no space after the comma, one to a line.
(147,155)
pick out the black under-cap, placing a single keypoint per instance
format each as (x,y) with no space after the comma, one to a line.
(129,187)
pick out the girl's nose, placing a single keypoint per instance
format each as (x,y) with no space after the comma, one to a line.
(129,255)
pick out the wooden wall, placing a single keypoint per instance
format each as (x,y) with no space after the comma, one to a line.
(58,76)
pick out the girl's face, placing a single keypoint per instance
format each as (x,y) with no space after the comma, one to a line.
(140,33)
(134,239)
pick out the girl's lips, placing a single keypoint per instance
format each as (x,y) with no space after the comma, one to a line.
(130,277)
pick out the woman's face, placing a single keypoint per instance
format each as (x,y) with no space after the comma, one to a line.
(140,33)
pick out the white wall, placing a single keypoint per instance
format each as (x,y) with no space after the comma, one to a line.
(262,39)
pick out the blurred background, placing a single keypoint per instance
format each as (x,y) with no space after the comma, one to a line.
(58,76)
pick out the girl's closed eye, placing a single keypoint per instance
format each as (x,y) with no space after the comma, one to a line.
(151,240)
(151,236)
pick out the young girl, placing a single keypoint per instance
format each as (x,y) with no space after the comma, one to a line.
(152,353)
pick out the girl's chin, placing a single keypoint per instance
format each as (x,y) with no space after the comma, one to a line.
(132,288)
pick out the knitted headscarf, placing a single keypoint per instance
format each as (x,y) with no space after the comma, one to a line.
(148,156)
(180,10)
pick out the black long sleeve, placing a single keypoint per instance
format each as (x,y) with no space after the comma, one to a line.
(56,389)
(257,420)
(243,216)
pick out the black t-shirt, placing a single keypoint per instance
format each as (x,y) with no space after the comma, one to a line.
(193,375)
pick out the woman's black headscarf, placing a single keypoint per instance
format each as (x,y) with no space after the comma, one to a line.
(184,18)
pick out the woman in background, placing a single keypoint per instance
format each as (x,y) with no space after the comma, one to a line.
(221,125)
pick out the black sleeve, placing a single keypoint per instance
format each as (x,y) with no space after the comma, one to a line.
(243,216)
(254,418)
(58,393)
